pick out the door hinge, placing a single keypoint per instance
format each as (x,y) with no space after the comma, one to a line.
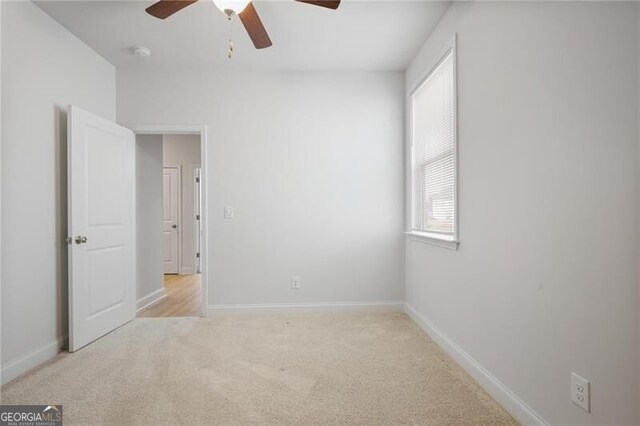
(197,217)
(198,255)
(197,179)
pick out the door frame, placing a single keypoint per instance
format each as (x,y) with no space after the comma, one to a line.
(197,221)
(170,129)
(178,218)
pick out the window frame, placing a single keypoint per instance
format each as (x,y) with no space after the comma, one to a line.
(442,240)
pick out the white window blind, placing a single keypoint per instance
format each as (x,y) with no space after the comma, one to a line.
(434,151)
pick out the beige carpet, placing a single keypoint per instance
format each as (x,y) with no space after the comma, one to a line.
(298,369)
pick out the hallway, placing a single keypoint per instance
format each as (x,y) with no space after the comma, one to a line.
(182,298)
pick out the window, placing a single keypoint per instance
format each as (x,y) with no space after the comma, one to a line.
(433,153)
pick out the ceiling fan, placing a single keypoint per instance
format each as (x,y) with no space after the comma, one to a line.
(243,8)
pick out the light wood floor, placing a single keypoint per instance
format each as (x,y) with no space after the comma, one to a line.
(182,298)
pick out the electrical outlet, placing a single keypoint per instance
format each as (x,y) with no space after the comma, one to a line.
(580,392)
(295,283)
(228,212)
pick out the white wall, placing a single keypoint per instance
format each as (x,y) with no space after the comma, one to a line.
(0,193)
(638,200)
(545,280)
(312,164)
(44,68)
(149,218)
(183,151)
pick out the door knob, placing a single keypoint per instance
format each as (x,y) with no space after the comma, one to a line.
(174,226)
(81,240)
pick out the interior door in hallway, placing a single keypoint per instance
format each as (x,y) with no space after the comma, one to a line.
(101,220)
(170,207)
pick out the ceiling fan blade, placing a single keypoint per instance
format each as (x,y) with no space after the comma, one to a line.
(165,8)
(253,25)
(329,4)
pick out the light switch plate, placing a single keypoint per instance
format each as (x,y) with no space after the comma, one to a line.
(581,392)
(295,283)
(228,212)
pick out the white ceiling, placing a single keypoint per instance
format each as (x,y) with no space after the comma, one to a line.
(360,35)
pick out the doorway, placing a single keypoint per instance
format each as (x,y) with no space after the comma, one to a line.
(171,174)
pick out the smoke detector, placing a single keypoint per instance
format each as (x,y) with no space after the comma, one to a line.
(141,51)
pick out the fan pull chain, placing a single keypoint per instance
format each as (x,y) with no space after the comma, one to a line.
(230,48)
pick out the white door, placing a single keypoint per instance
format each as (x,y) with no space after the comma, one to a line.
(170,200)
(102,228)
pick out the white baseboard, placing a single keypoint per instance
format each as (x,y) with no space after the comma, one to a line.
(150,299)
(32,359)
(293,308)
(509,400)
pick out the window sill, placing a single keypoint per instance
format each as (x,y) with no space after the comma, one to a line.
(433,239)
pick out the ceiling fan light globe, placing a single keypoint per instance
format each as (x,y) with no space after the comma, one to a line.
(237,6)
